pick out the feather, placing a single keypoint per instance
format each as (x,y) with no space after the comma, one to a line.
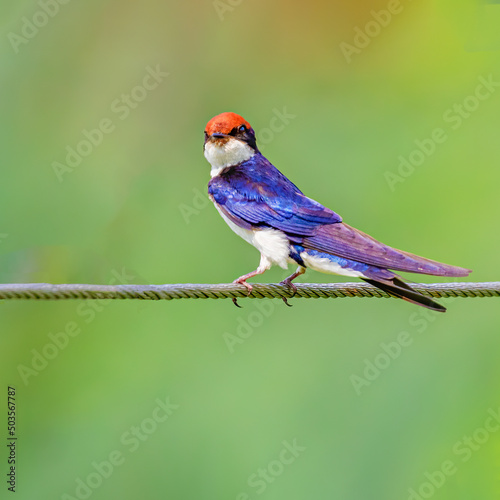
(398,288)
(345,241)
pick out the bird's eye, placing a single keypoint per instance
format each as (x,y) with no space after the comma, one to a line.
(242,128)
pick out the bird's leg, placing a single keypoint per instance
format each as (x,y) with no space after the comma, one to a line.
(242,280)
(288,282)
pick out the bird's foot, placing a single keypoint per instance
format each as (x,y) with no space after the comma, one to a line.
(248,286)
(288,283)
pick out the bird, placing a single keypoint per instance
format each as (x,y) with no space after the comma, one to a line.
(262,206)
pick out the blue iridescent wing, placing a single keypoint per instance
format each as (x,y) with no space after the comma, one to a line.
(350,243)
(255,193)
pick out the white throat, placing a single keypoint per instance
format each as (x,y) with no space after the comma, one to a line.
(225,155)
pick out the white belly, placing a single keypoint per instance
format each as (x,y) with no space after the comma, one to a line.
(272,244)
(324,265)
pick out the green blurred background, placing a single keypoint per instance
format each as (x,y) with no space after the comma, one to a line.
(247,382)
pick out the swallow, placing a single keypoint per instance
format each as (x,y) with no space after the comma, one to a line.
(268,211)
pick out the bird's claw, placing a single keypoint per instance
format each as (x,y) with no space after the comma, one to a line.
(249,288)
(289,284)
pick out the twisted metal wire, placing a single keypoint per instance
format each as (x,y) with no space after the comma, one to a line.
(45,291)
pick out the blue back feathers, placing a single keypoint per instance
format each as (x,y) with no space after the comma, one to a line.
(255,193)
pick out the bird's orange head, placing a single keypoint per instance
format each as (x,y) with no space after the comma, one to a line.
(227,124)
(229,140)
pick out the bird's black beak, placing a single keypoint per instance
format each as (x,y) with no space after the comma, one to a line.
(216,137)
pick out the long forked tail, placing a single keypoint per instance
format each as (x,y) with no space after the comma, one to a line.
(398,288)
